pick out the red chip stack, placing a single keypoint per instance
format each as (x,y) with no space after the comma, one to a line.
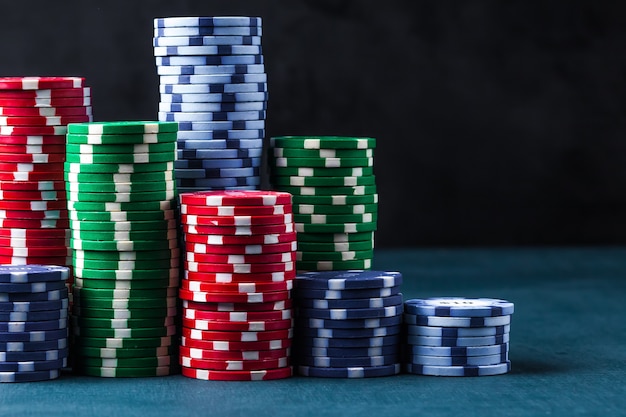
(34,113)
(236,292)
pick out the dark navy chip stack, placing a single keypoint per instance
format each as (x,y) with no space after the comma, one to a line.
(33,322)
(213,83)
(348,323)
(455,336)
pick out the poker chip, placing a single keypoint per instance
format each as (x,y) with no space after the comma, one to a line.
(92,301)
(123,344)
(217,375)
(350,372)
(52,295)
(124,353)
(33,376)
(233,365)
(32,140)
(45,92)
(115,372)
(229,346)
(206,40)
(123,139)
(456,336)
(361,323)
(46,102)
(45,355)
(200,29)
(206,69)
(136,284)
(33,366)
(250,326)
(209,59)
(249,355)
(339,334)
(239,307)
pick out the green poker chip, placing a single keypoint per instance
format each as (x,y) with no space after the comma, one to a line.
(330,191)
(115,207)
(322,153)
(119,168)
(108,372)
(322,172)
(120,197)
(121,353)
(124,343)
(335,218)
(123,362)
(115,255)
(139,138)
(323,181)
(335,247)
(109,225)
(322,142)
(322,162)
(336,228)
(126,275)
(124,235)
(132,148)
(335,237)
(333,265)
(84,322)
(334,256)
(137,313)
(335,200)
(164,263)
(120,187)
(123,245)
(328,209)
(121,158)
(91,331)
(133,284)
(125,294)
(86,301)
(145,177)
(125,128)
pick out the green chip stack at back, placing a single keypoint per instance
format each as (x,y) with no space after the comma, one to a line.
(121,199)
(335,203)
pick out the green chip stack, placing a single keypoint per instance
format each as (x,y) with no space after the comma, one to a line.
(121,198)
(335,202)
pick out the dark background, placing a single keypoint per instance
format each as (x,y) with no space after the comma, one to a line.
(498,122)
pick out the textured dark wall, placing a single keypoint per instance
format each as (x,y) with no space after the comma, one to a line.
(498,122)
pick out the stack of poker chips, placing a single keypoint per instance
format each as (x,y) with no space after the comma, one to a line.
(458,336)
(33,322)
(348,324)
(239,270)
(334,195)
(213,82)
(34,112)
(121,198)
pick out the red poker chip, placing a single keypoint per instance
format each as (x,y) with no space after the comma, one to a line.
(230,326)
(27,167)
(217,365)
(239,268)
(263,375)
(59,251)
(33,130)
(40,83)
(32,243)
(54,195)
(224,297)
(33,140)
(238,307)
(32,148)
(33,158)
(208,354)
(237,316)
(225,278)
(243,249)
(236,210)
(35,224)
(239,221)
(34,215)
(237,336)
(51,185)
(31,176)
(237,230)
(236,198)
(241,259)
(37,205)
(268,239)
(45,102)
(34,233)
(36,260)
(45,111)
(243,288)
(43,120)
(46,93)
(236,346)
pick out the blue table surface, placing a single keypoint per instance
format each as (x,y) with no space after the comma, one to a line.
(568,349)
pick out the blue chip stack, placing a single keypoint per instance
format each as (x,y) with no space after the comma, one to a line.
(33,322)
(213,83)
(348,324)
(455,336)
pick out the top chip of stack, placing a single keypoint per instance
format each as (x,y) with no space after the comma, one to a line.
(213,83)
(454,336)
(334,194)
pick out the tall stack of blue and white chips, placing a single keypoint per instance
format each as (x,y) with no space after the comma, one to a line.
(33,322)
(213,83)
(348,324)
(455,336)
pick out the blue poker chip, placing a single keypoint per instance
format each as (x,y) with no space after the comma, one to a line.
(459,307)
(346,294)
(351,303)
(209,31)
(453,332)
(213,107)
(33,346)
(23,274)
(347,352)
(34,336)
(342,280)
(349,333)
(213,79)
(459,360)
(32,287)
(38,296)
(470,370)
(217,163)
(349,342)
(458,351)
(182,91)
(336,362)
(315,323)
(212,98)
(205,40)
(351,313)
(221,134)
(195,189)
(33,366)
(29,376)
(437,321)
(209,60)
(32,326)
(44,355)
(216,173)
(350,372)
(208,50)
(218,153)
(216,21)
(220,144)
(219,182)
(33,315)
(413,339)
(230,125)
(30,306)
(210,69)
(211,116)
